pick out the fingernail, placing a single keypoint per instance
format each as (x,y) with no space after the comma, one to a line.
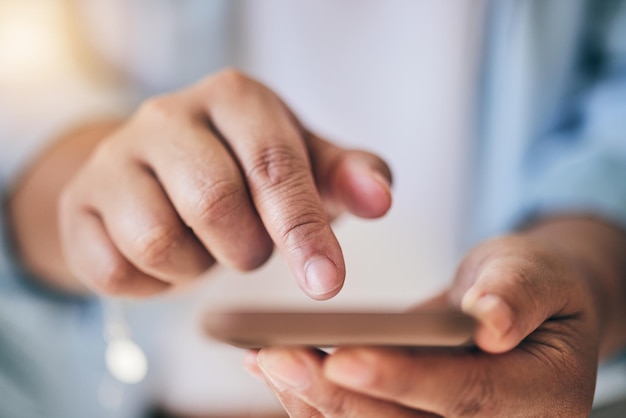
(285,371)
(491,311)
(381,179)
(321,276)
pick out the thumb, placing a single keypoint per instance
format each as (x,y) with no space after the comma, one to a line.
(511,297)
(350,180)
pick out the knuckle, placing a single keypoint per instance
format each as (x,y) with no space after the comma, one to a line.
(159,109)
(154,247)
(276,165)
(216,201)
(232,81)
(252,260)
(232,75)
(115,279)
(299,229)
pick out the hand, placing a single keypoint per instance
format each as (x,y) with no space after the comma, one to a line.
(219,172)
(538,337)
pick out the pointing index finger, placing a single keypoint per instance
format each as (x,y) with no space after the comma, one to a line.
(270,150)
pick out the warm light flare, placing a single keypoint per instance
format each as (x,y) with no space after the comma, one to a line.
(32,41)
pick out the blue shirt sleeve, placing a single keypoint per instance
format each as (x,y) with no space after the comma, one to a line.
(552,135)
(580,165)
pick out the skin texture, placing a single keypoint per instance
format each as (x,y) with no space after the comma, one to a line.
(549,302)
(221,172)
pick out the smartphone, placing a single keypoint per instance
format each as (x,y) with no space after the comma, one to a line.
(258,329)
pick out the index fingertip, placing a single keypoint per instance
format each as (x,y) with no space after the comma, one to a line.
(323,278)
